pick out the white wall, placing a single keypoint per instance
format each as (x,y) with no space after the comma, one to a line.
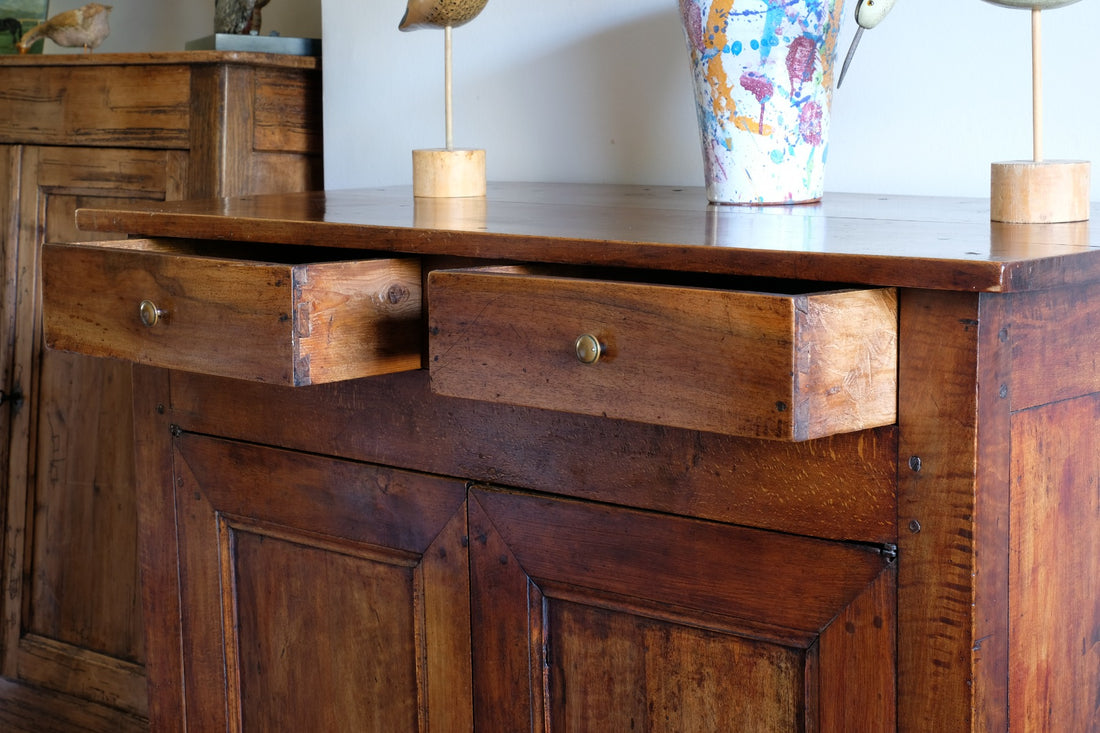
(595,90)
(166,25)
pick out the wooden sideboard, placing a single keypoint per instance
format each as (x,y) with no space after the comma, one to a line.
(605,458)
(90,130)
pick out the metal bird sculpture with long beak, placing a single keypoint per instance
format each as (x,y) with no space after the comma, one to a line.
(869,13)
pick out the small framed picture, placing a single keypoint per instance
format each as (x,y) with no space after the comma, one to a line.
(16,18)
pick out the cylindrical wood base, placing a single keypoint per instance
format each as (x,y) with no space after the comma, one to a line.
(463,213)
(1025,192)
(440,173)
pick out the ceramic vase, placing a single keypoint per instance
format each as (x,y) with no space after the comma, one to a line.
(763,77)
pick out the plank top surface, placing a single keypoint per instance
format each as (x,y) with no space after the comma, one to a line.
(901,241)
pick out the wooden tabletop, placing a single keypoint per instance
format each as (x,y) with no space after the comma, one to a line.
(922,242)
(192,58)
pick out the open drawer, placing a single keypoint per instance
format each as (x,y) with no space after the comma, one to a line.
(787,366)
(264,316)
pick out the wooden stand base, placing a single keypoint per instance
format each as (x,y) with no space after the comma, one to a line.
(1025,192)
(465,213)
(441,173)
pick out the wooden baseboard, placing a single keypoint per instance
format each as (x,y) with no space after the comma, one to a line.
(25,709)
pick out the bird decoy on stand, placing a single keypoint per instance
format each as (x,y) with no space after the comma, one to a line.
(869,13)
(1038,191)
(86,26)
(449,172)
(440,13)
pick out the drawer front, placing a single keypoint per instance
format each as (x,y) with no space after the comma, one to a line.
(295,324)
(788,367)
(136,105)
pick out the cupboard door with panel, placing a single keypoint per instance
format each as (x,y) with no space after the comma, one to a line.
(72,622)
(589,617)
(320,594)
(79,131)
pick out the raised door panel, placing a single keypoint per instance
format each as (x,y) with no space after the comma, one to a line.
(588,617)
(72,619)
(320,594)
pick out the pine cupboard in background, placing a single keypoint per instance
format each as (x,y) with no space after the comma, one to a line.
(200,124)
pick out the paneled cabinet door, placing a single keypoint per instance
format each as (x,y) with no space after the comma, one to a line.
(320,594)
(588,617)
(72,602)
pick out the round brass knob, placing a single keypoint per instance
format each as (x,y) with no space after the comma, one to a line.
(150,314)
(589,349)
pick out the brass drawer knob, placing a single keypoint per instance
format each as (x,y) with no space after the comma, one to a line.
(150,314)
(589,349)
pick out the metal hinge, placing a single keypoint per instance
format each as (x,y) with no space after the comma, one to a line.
(15,397)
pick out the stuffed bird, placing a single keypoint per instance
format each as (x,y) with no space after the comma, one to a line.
(440,13)
(238,16)
(86,26)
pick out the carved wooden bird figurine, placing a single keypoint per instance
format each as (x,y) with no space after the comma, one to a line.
(85,26)
(440,13)
(238,16)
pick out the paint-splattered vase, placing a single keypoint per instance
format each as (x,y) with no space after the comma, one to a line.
(763,72)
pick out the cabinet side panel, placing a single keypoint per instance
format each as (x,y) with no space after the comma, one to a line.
(1055,568)
(1055,338)
(288,111)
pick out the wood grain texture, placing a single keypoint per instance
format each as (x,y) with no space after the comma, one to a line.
(638,572)
(278,550)
(1055,568)
(224,101)
(1051,364)
(254,130)
(866,630)
(611,670)
(952,512)
(650,621)
(938,421)
(161,58)
(992,625)
(917,242)
(84,130)
(291,324)
(757,364)
(72,613)
(287,116)
(138,106)
(841,487)
(158,549)
(26,709)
